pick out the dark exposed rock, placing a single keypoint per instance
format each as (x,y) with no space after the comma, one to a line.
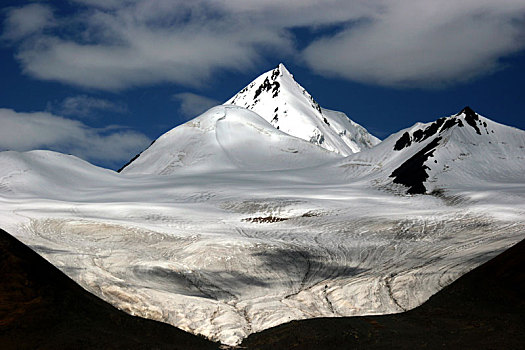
(265,219)
(421,135)
(471,118)
(418,135)
(412,173)
(404,141)
(450,123)
(275,73)
(267,86)
(326,121)
(275,89)
(316,106)
(433,128)
(318,139)
(439,126)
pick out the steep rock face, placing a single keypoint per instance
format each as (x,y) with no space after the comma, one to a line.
(279,99)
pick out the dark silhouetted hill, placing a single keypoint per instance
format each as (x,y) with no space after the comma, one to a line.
(484,309)
(42,308)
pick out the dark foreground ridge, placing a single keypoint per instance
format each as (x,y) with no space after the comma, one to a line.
(484,309)
(41,308)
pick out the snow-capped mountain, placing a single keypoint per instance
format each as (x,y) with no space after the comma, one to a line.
(274,111)
(227,138)
(460,151)
(228,225)
(279,99)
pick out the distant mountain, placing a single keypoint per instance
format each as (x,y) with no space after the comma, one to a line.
(48,174)
(463,150)
(279,99)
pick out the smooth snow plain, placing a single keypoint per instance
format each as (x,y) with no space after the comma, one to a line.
(227,226)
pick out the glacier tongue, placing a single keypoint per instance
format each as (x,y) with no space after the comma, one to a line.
(279,99)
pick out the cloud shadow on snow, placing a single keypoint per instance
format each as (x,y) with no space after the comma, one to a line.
(296,269)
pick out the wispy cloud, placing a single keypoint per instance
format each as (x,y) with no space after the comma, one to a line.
(42,130)
(116,45)
(191,105)
(423,43)
(84,106)
(26,21)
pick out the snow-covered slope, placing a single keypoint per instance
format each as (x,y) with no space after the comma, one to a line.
(279,99)
(465,150)
(48,174)
(226,138)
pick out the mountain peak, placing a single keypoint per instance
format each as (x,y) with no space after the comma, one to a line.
(467,111)
(421,132)
(285,104)
(283,71)
(473,119)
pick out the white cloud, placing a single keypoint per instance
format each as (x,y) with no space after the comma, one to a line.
(116,45)
(85,106)
(191,105)
(130,43)
(27,20)
(42,130)
(423,43)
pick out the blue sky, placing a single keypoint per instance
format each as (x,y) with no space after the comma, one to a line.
(101,79)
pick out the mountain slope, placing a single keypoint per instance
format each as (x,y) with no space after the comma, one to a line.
(48,174)
(281,101)
(461,151)
(227,138)
(482,309)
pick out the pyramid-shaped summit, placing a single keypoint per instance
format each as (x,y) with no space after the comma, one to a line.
(272,124)
(281,101)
